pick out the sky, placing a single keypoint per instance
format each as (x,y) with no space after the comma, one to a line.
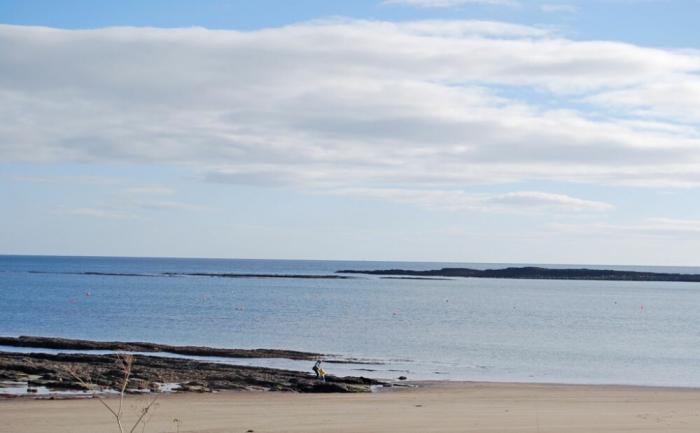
(504,131)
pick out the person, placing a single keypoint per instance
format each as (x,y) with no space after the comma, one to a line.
(320,372)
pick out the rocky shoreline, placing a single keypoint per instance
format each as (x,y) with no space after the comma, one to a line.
(72,344)
(150,373)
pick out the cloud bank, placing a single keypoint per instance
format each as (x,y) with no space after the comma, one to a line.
(375,108)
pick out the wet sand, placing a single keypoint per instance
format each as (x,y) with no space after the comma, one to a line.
(434,407)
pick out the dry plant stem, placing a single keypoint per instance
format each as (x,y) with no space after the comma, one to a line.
(145,420)
(144,411)
(125,362)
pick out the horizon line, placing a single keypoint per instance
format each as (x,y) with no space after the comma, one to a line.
(345,260)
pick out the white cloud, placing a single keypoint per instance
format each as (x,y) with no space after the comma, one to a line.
(520,201)
(132,203)
(343,104)
(168,205)
(449,3)
(673,225)
(542,200)
(675,98)
(146,190)
(151,198)
(459,29)
(89,180)
(652,227)
(101,213)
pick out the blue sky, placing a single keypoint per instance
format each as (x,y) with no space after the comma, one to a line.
(446,130)
(666,23)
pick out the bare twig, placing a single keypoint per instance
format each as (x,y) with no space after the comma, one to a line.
(125,363)
(144,412)
(177,421)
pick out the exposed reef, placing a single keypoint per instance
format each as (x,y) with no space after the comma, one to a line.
(202,274)
(234,275)
(66,371)
(70,344)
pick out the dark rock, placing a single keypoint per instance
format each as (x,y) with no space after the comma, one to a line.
(200,274)
(147,371)
(65,343)
(537,273)
(329,387)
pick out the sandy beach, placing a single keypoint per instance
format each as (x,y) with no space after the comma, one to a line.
(434,407)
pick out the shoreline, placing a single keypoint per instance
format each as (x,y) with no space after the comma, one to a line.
(163,360)
(399,387)
(445,384)
(140,346)
(78,372)
(433,406)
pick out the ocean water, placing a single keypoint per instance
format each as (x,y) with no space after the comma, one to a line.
(639,333)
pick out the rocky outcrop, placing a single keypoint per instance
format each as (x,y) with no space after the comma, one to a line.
(59,371)
(201,274)
(65,343)
(536,273)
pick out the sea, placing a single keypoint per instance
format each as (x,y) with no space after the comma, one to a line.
(501,330)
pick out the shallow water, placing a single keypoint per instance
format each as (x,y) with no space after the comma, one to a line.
(18,389)
(642,333)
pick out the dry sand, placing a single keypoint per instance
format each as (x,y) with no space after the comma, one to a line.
(437,407)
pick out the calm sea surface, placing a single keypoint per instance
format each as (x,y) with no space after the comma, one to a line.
(643,333)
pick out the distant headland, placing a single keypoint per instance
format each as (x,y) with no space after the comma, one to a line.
(536,273)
